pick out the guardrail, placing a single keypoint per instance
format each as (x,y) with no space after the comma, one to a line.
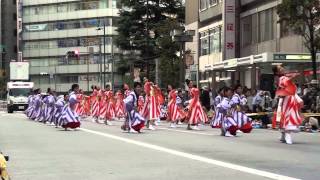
(3,105)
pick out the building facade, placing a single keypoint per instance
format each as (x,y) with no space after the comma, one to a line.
(51,28)
(8,37)
(240,41)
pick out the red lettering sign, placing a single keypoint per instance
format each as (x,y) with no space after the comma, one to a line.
(230,27)
(230,45)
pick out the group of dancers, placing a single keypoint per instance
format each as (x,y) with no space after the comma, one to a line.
(142,107)
(58,111)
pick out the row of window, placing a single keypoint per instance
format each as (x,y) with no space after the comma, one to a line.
(67,79)
(255,28)
(211,41)
(63,43)
(258,27)
(69,7)
(83,59)
(75,24)
(205,4)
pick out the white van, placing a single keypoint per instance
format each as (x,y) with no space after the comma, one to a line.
(17,95)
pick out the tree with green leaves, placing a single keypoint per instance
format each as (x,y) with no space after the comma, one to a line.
(303,17)
(144,27)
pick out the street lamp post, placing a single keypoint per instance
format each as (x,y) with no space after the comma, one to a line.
(104,53)
(100,60)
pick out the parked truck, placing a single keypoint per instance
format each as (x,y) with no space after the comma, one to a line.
(17,95)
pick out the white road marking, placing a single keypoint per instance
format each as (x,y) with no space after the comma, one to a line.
(188,132)
(194,157)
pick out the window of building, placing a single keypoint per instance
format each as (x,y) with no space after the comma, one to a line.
(266,25)
(39,62)
(62,8)
(203,4)
(15,32)
(215,40)
(114,3)
(213,2)
(204,43)
(246,31)
(69,79)
(258,27)
(64,25)
(14,2)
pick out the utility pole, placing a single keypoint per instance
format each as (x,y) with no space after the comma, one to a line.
(157,71)
(100,63)
(91,54)
(182,64)
(112,61)
(104,54)
(182,37)
(147,34)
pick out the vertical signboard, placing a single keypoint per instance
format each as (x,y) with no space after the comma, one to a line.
(229,22)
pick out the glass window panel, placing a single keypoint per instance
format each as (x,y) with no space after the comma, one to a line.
(266,25)
(204,43)
(103,4)
(246,30)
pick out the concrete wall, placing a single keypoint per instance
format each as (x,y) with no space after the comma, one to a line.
(192,11)
(211,12)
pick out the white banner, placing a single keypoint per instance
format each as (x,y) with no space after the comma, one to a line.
(36,27)
(229,16)
(19,70)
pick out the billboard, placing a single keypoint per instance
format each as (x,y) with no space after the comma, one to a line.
(19,70)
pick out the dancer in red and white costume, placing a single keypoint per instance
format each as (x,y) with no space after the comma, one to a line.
(87,105)
(96,98)
(174,112)
(80,109)
(289,105)
(119,107)
(196,114)
(109,105)
(140,103)
(149,110)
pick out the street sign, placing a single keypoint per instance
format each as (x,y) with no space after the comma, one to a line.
(189,59)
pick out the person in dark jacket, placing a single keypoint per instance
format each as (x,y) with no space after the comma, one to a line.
(205,98)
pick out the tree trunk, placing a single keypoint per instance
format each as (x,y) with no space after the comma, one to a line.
(314,64)
(313,52)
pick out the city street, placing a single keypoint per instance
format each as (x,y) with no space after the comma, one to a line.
(97,151)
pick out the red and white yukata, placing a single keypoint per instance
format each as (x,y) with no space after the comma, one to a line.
(174,112)
(195,111)
(96,99)
(289,116)
(119,107)
(109,106)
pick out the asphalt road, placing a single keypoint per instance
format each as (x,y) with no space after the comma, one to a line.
(101,152)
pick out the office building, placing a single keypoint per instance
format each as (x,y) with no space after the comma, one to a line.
(51,28)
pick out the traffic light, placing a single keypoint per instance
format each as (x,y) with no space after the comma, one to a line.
(74,53)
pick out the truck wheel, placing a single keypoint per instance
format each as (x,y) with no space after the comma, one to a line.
(10,110)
